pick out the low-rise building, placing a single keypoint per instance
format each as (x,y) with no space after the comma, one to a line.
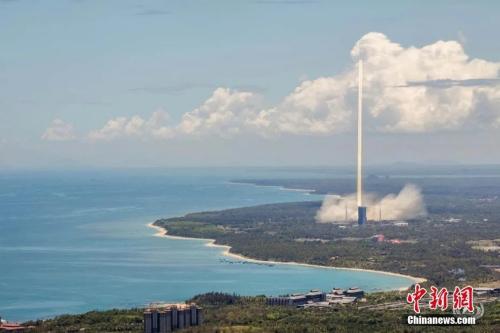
(324,304)
(317,298)
(487,291)
(354,292)
(316,295)
(12,328)
(312,296)
(291,300)
(5,326)
(340,299)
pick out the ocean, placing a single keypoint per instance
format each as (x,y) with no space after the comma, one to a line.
(74,241)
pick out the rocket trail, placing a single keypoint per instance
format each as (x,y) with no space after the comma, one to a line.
(359,184)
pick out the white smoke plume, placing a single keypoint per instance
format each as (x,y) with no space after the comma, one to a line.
(407,204)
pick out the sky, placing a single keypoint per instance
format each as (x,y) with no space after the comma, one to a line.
(121,83)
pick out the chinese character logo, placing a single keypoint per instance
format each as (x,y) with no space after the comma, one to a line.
(462,298)
(415,297)
(439,299)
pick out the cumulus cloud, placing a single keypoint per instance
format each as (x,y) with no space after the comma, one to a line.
(227,111)
(407,89)
(135,126)
(59,131)
(408,204)
(419,108)
(224,113)
(315,107)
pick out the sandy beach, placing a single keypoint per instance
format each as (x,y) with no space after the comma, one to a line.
(162,232)
(282,188)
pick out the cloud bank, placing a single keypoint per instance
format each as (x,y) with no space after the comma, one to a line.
(135,126)
(407,89)
(408,204)
(59,131)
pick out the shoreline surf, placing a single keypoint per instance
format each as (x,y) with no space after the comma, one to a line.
(279,187)
(163,232)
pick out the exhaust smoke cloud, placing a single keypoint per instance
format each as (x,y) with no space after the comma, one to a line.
(408,204)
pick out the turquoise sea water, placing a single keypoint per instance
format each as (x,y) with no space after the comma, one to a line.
(76,241)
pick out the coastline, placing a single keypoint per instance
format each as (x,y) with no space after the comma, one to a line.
(163,232)
(279,187)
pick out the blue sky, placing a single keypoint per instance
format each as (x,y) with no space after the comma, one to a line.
(87,62)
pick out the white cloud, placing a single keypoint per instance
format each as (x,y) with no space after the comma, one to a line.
(225,112)
(113,129)
(59,131)
(157,125)
(326,105)
(396,105)
(319,106)
(134,126)
(407,89)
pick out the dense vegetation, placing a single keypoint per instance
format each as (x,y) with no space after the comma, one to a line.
(436,247)
(93,321)
(229,313)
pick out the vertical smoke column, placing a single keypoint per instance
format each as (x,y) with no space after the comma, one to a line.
(359,181)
